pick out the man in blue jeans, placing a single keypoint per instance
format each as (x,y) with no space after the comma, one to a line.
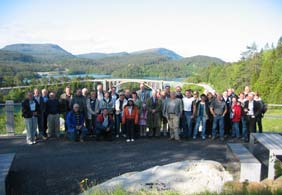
(218,109)
(188,112)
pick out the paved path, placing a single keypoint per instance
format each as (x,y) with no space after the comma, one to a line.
(57,167)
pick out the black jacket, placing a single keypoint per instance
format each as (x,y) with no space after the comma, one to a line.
(256,108)
(26,112)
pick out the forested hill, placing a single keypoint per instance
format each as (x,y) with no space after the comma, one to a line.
(262,70)
(22,61)
(45,52)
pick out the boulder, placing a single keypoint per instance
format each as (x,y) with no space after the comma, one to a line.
(185,177)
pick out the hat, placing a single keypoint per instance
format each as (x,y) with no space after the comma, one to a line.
(130,99)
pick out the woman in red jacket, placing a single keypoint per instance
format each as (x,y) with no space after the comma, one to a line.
(130,119)
(235,116)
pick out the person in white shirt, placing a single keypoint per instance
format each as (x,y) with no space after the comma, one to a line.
(188,112)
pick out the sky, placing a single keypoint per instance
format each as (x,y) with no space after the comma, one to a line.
(218,28)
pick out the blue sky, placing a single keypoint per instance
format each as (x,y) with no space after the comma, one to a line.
(216,28)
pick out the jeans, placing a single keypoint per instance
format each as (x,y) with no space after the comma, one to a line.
(31,126)
(188,125)
(198,121)
(244,127)
(235,129)
(81,133)
(117,123)
(218,119)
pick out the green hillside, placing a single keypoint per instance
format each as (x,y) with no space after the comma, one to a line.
(259,69)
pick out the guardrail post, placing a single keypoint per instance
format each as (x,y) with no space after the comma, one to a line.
(10,120)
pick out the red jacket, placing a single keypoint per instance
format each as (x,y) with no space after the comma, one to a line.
(134,114)
(236,109)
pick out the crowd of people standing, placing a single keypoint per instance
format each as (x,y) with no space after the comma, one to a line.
(108,115)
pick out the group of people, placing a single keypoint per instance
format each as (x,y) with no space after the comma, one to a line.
(106,115)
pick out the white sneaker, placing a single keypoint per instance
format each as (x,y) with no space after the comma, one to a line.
(117,136)
(128,140)
(29,142)
(132,140)
(34,142)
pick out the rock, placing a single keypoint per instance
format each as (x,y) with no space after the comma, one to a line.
(186,177)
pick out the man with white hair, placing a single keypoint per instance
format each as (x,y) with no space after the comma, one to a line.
(75,123)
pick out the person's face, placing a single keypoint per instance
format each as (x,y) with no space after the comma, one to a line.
(105,112)
(250,97)
(134,96)
(172,95)
(196,95)
(203,98)
(44,92)
(52,96)
(234,100)
(219,97)
(127,92)
(75,108)
(85,92)
(29,96)
(229,92)
(106,95)
(68,91)
(178,89)
(99,88)
(188,93)
(79,92)
(247,89)
(167,89)
(130,103)
(36,92)
(113,90)
(121,97)
(142,87)
(242,96)
(93,95)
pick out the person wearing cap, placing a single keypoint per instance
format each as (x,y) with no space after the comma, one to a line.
(75,123)
(121,102)
(130,119)
(104,126)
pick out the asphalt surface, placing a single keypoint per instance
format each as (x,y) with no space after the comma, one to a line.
(57,167)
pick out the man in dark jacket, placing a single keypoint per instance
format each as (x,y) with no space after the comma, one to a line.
(53,115)
(104,126)
(30,112)
(252,111)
